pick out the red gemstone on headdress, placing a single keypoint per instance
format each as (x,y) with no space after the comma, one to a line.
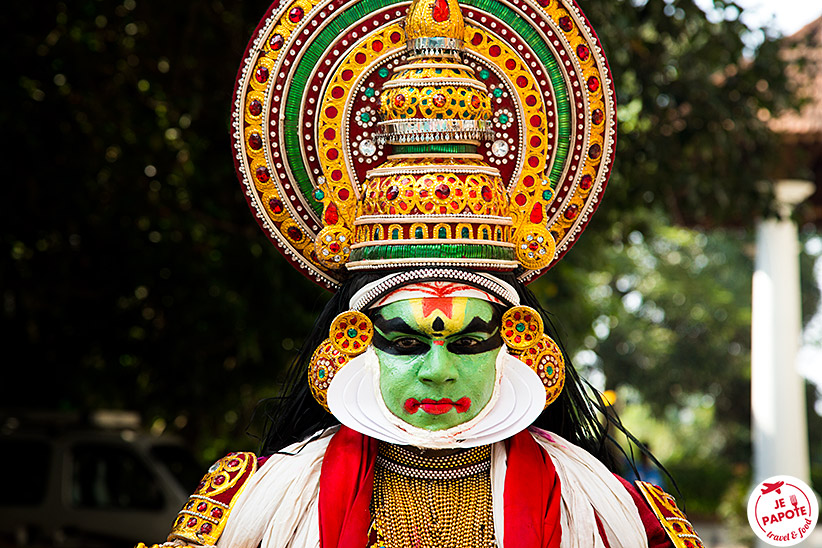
(377,45)
(475,101)
(595,151)
(583,52)
(360,58)
(494,51)
(255,107)
(205,528)
(331,215)
(295,14)
(347,74)
(334,247)
(392,192)
(399,100)
(510,64)
(593,83)
(295,234)
(262,174)
(202,507)
(217,513)
(536,213)
(276,206)
(332,154)
(440,11)
(255,141)
(533,246)
(485,191)
(571,212)
(438,100)
(276,42)
(531,100)
(442,191)
(191,522)
(586,182)
(565,23)
(219,480)
(337,92)
(343,194)
(597,116)
(261,74)
(521,199)
(522,81)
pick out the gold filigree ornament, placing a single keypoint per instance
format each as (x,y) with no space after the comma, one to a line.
(535,247)
(351,332)
(326,361)
(350,335)
(424,135)
(521,328)
(333,246)
(546,359)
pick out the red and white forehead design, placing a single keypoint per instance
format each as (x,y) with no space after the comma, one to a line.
(439,290)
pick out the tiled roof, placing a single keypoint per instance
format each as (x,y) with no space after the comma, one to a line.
(806,124)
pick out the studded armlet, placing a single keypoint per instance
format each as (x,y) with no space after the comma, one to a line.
(672,519)
(203,517)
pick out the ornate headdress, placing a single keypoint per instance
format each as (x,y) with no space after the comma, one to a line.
(375,135)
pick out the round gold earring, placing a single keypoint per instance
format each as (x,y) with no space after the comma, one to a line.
(351,332)
(324,364)
(546,359)
(522,328)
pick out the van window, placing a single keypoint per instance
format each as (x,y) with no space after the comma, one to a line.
(106,476)
(31,462)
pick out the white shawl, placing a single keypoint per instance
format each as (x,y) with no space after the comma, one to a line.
(279,506)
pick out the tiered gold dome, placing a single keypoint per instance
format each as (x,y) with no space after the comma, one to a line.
(435,201)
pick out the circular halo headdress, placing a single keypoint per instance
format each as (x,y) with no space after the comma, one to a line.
(383,134)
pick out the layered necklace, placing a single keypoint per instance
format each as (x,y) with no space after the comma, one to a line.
(441,501)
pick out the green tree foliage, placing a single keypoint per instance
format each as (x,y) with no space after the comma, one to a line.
(135,277)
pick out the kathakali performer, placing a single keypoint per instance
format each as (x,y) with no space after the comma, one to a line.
(425,162)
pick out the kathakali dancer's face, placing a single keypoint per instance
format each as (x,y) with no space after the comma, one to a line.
(437,358)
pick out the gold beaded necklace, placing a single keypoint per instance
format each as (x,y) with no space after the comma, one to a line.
(432,501)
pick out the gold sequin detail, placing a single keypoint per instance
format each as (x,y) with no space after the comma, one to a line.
(432,502)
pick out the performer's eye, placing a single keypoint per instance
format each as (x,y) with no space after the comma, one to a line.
(408,345)
(465,343)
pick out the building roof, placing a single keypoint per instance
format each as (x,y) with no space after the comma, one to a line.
(803,52)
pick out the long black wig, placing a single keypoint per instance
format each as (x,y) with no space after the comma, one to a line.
(296,416)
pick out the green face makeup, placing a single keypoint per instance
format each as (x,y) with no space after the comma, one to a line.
(437,358)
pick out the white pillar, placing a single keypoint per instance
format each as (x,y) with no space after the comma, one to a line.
(780,432)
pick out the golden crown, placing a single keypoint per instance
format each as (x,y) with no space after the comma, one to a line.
(373,137)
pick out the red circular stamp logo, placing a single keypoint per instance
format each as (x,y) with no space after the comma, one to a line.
(782,511)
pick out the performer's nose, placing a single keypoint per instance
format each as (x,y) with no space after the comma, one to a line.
(437,367)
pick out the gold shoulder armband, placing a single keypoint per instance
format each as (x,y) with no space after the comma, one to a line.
(203,517)
(675,523)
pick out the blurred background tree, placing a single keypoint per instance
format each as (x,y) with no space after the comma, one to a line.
(134,276)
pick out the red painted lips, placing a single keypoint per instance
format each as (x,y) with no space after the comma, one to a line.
(437,407)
